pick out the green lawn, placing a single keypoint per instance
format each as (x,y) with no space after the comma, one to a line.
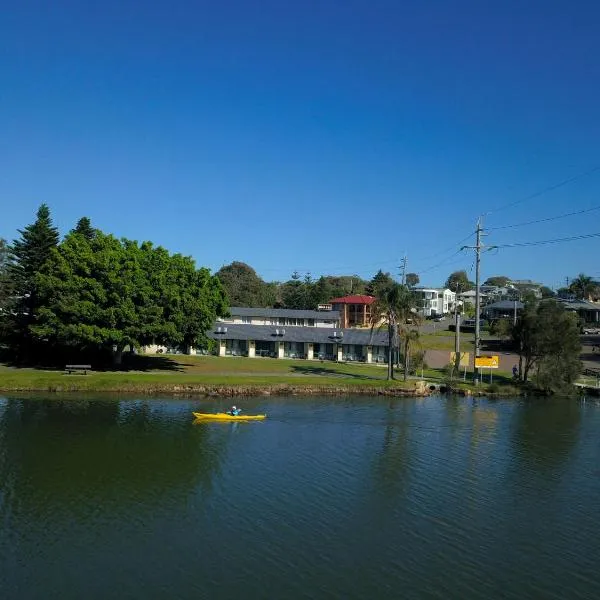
(182,373)
(179,373)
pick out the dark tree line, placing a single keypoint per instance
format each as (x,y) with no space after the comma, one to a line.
(245,288)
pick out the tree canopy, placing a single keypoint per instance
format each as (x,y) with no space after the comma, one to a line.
(459,282)
(412,279)
(547,338)
(244,287)
(584,287)
(498,280)
(379,282)
(94,293)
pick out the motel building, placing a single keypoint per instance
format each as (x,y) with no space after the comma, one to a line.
(286,333)
(310,343)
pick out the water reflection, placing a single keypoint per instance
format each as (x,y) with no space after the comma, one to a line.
(60,453)
(391,465)
(545,432)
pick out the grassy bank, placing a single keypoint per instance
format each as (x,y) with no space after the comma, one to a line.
(209,374)
(225,376)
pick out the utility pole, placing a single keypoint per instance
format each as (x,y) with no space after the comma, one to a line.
(477,301)
(457,337)
(403,262)
(478,247)
(515,315)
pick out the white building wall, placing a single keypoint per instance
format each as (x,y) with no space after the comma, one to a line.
(282,321)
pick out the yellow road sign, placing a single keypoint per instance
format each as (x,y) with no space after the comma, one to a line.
(464,358)
(487,362)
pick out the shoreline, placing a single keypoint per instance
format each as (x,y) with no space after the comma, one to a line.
(419,388)
(227,390)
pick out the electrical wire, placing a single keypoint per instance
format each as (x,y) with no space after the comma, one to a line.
(544,242)
(570,214)
(546,189)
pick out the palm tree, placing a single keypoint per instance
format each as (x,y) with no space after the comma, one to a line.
(582,285)
(411,338)
(394,307)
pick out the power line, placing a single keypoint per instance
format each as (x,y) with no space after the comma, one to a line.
(570,214)
(552,241)
(450,247)
(440,263)
(547,189)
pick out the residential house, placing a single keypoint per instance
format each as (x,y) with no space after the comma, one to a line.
(435,301)
(354,311)
(588,312)
(469,297)
(527,286)
(502,309)
(495,293)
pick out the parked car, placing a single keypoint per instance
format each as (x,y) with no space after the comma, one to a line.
(439,318)
(591,331)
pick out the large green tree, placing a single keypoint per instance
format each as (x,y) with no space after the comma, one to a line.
(547,339)
(244,287)
(30,252)
(559,364)
(459,282)
(104,294)
(498,280)
(6,285)
(380,281)
(412,279)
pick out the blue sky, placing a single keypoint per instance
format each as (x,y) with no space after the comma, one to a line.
(323,136)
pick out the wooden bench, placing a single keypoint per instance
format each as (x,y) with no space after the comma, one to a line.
(78,369)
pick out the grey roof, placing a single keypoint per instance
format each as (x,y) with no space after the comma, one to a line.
(505,305)
(328,315)
(319,335)
(579,304)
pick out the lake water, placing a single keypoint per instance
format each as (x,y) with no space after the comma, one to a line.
(350,498)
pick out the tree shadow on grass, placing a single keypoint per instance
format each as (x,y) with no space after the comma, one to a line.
(328,372)
(99,362)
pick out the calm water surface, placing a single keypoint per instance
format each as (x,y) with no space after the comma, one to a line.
(348,498)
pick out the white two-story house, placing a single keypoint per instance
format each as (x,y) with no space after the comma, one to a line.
(435,301)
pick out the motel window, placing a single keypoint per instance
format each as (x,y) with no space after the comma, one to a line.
(247,320)
(311,322)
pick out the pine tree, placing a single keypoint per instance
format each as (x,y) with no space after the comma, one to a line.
(33,249)
(84,228)
(30,253)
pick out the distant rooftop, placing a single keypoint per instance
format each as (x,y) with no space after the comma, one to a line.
(505,305)
(353,300)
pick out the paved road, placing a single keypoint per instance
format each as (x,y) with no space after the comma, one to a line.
(590,355)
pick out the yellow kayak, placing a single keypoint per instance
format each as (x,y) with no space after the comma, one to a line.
(228,417)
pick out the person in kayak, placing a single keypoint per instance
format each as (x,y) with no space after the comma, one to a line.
(235,411)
